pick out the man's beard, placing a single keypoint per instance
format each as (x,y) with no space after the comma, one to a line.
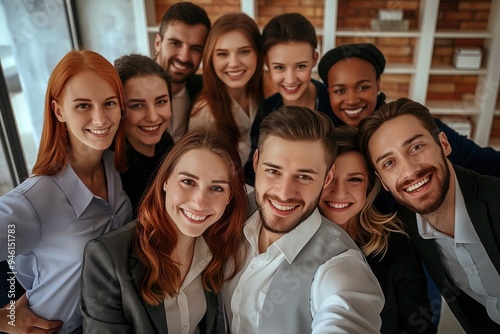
(277,220)
(444,185)
(168,65)
(180,77)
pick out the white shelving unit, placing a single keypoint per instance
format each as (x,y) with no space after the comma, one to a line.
(146,25)
(481,110)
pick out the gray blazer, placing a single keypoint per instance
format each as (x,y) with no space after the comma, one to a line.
(110,298)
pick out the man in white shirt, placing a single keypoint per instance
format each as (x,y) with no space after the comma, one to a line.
(179,47)
(451,213)
(301,272)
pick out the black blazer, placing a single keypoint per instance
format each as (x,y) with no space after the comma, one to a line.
(110,298)
(481,195)
(194,85)
(402,279)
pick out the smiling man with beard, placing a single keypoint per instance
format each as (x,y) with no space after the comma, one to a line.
(178,49)
(452,214)
(302,273)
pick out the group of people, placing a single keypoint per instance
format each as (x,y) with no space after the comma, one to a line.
(163,201)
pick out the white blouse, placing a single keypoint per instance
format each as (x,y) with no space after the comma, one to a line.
(185,310)
(205,118)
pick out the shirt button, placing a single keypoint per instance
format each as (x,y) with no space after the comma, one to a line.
(469,270)
(236,315)
(185,328)
(238,290)
(252,267)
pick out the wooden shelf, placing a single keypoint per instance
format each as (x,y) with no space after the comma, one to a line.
(475,34)
(451,70)
(451,108)
(399,69)
(382,34)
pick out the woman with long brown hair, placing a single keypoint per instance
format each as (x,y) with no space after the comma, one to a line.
(73,195)
(232,80)
(158,274)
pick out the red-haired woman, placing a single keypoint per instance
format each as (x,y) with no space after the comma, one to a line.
(74,194)
(157,275)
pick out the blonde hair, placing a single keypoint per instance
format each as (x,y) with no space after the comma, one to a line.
(369,228)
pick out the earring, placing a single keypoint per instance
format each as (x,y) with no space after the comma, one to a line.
(164,187)
(378,93)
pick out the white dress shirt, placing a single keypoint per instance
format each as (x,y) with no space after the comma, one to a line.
(345,295)
(185,310)
(464,258)
(244,121)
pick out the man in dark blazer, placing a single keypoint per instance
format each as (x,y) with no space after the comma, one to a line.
(111,265)
(452,214)
(178,49)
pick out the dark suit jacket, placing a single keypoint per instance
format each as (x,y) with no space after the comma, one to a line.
(481,195)
(194,85)
(402,280)
(110,299)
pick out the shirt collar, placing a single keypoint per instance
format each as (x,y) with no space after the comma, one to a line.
(289,244)
(464,231)
(201,258)
(181,93)
(252,107)
(79,196)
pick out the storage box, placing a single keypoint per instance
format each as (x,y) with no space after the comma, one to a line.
(378,25)
(468,58)
(390,15)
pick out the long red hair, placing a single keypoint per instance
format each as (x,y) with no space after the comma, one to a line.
(55,147)
(157,236)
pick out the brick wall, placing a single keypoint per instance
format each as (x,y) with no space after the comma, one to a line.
(357,14)
(453,14)
(495,129)
(214,8)
(470,14)
(266,9)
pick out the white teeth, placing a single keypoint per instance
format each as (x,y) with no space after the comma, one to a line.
(99,132)
(283,207)
(353,111)
(179,65)
(192,216)
(291,87)
(417,185)
(338,205)
(234,74)
(150,128)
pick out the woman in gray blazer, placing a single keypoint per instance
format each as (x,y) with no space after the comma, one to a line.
(159,273)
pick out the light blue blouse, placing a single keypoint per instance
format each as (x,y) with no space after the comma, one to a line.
(50,219)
